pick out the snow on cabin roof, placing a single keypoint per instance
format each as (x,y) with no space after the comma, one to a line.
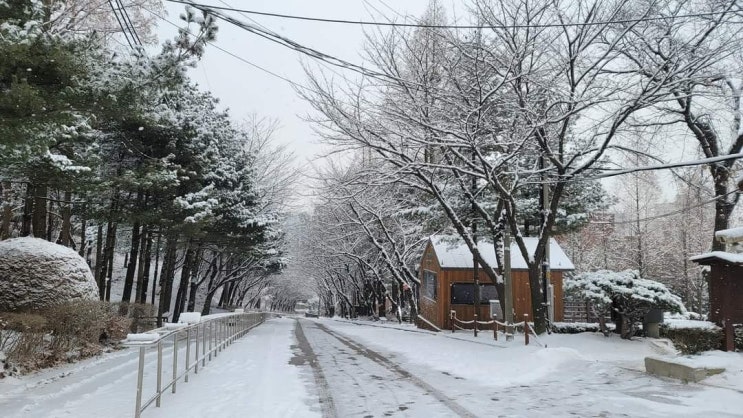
(452,252)
(732,258)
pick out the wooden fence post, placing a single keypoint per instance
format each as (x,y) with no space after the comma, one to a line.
(526,329)
(495,330)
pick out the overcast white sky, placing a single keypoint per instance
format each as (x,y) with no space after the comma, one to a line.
(246,90)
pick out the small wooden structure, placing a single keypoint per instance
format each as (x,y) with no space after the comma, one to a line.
(446,275)
(725,291)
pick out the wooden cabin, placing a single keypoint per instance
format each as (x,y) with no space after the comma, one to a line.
(446,275)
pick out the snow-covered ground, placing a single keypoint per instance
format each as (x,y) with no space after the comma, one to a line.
(324,367)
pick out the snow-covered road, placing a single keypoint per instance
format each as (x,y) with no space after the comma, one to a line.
(492,379)
(355,381)
(297,367)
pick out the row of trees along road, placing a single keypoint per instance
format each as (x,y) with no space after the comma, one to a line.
(470,123)
(105,148)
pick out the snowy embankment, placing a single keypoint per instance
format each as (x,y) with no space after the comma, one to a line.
(515,364)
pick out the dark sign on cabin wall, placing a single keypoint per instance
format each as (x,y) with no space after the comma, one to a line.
(429,285)
(463,293)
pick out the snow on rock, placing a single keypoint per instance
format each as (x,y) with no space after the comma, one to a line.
(37,274)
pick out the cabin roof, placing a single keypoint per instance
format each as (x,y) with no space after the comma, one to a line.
(718,257)
(452,252)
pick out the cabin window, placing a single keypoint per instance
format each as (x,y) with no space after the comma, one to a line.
(463,293)
(429,285)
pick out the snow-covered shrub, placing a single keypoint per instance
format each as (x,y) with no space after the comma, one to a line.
(690,339)
(574,327)
(76,325)
(626,295)
(738,337)
(22,339)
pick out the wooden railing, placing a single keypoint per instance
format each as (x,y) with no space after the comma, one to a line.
(496,326)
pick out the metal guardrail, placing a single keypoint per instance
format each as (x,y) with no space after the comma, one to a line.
(207,339)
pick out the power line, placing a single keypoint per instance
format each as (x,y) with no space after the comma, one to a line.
(665,215)
(121,24)
(125,23)
(419,25)
(265,70)
(128,20)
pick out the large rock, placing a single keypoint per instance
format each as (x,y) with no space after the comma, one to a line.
(36,274)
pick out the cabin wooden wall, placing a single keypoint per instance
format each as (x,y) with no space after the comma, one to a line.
(522,294)
(430,309)
(464,312)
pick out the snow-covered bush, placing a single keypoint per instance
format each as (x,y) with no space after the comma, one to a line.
(575,327)
(691,338)
(22,339)
(61,333)
(626,295)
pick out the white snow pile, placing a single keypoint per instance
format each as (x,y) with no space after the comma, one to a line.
(143,337)
(189,318)
(37,274)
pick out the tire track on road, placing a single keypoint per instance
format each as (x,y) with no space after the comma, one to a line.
(396,369)
(326,400)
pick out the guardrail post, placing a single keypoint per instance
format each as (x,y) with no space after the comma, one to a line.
(175,359)
(188,353)
(140,378)
(203,347)
(159,372)
(196,357)
(217,330)
(495,330)
(526,329)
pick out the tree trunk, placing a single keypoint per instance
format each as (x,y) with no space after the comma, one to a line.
(7,212)
(39,214)
(83,227)
(723,207)
(166,273)
(65,231)
(110,251)
(155,270)
(99,263)
(144,262)
(193,282)
(28,210)
(180,299)
(538,307)
(50,216)
(208,302)
(131,267)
